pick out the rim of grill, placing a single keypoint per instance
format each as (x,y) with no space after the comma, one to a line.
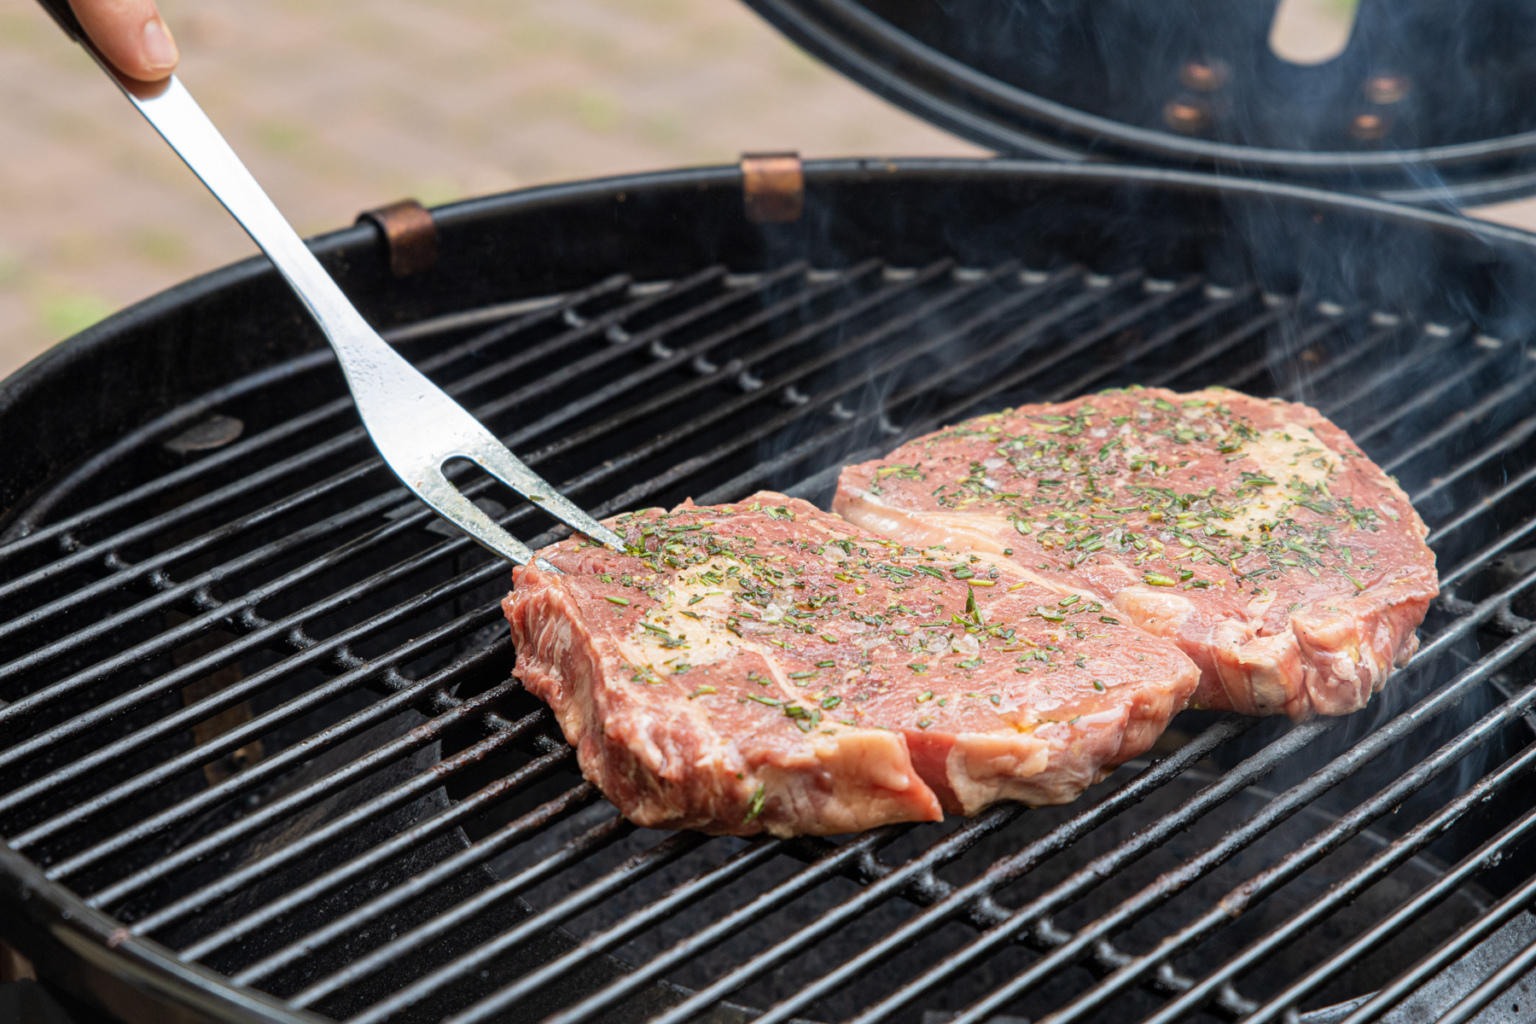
(278,571)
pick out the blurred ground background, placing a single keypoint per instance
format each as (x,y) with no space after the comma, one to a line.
(346,105)
(342,106)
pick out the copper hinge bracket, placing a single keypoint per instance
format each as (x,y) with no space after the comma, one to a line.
(772,187)
(410,233)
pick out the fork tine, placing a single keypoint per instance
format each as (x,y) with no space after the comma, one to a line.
(434,488)
(496,460)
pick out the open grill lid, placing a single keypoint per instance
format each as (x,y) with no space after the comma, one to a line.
(1422,105)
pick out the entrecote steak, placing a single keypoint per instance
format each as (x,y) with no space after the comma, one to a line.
(765,666)
(1251,532)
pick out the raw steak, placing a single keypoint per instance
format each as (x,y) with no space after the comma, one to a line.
(1253,533)
(764,666)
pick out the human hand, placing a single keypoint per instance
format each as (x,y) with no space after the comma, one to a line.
(130,35)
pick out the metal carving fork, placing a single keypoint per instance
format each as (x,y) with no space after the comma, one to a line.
(416,427)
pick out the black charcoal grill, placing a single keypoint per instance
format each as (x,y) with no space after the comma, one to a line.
(261,758)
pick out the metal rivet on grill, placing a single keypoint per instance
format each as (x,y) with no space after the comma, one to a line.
(969,273)
(410,234)
(213,432)
(1216,291)
(748,381)
(1186,116)
(793,396)
(1330,309)
(898,273)
(1487,341)
(1437,330)
(1386,89)
(842,412)
(1156,286)
(1098,280)
(1369,127)
(815,276)
(703,366)
(1381,319)
(573,318)
(772,187)
(1034,276)
(659,349)
(617,334)
(1205,75)
(886,426)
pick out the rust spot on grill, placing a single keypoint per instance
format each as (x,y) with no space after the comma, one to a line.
(773,187)
(411,234)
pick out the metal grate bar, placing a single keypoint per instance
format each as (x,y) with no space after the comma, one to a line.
(1309,853)
(203,897)
(1427,397)
(1224,344)
(200,665)
(1473,1002)
(889,883)
(450,817)
(1304,340)
(1357,352)
(1001,873)
(242,451)
(1276,811)
(1444,339)
(830,436)
(1361,879)
(520,830)
(814,874)
(695,352)
(289,757)
(165,639)
(354,677)
(1506,442)
(272,812)
(1447,953)
(1515,390)
(669,850)
(741,364)
(675,900)
(270,475)
(1030,332)
(1256,766)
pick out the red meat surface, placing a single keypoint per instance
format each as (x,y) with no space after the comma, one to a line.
(766,666)
(1251,532)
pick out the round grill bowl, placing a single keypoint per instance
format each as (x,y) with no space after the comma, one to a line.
(908,292)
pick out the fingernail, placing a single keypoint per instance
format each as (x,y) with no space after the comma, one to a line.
(159,48)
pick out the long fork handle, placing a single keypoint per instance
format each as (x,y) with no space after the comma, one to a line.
(391,394)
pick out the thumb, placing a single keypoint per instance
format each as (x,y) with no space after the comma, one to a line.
(130,35)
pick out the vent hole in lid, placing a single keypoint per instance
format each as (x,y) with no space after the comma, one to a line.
(1309,32)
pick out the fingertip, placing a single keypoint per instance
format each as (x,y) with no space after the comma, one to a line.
(159,51)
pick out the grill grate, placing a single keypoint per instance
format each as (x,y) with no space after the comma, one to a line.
(373,823)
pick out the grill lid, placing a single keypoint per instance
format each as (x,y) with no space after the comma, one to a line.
(1422,105)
